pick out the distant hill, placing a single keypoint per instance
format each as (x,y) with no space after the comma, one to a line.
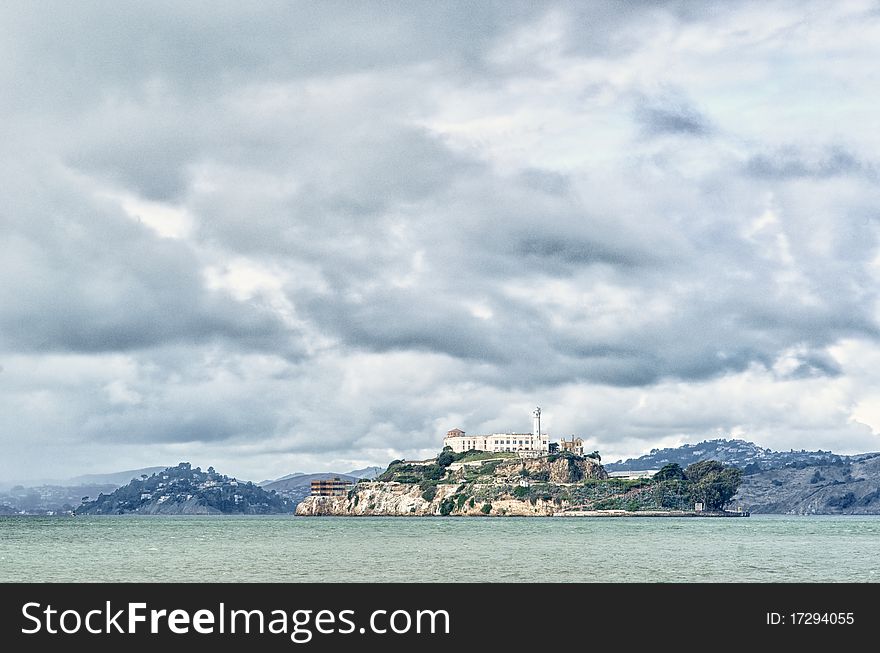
(298,487)
(850,486)
(50,499)
(114,478)
(182,490)
(746,455)
(283,478)
(366,472)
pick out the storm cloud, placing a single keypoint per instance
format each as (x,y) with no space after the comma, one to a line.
(312,236)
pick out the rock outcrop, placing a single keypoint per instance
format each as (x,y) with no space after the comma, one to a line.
(391,499)
(484,487)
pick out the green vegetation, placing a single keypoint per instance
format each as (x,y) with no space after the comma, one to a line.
(473,455)
(433,472)
(486,508)
(489,468)
(670,472)
(712,483)
(446,506)
(446,458)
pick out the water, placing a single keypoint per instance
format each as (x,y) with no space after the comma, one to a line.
(288,549)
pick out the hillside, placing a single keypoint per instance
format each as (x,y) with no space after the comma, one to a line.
(283,478)
(849,487)
(183,490)
(740,453)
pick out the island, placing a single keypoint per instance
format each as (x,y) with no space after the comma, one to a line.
(511,483)
(184,490)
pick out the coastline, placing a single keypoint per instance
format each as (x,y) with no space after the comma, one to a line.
(650,513)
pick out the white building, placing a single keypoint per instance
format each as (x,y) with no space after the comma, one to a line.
(534,443)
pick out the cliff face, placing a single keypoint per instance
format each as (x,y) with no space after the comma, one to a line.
(391,499)
(561,470)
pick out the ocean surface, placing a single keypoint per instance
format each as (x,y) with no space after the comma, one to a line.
(761,548)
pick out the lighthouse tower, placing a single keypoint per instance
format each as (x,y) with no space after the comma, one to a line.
(536,427)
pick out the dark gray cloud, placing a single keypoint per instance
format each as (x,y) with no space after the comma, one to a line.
(83,279)
(671,115)
(792,163)
(389,219)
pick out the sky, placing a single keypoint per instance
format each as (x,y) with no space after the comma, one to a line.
(294,236)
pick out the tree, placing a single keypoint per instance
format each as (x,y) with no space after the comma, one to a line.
(670,472)
(434,472)
(446,458)
(486,509)
(712,483)
(595,456)
(700,470)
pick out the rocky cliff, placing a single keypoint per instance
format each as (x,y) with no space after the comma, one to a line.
(391,499)
(504,486)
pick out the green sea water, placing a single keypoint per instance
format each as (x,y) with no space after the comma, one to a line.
(323,549)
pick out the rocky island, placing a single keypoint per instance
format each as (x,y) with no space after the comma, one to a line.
(482,483)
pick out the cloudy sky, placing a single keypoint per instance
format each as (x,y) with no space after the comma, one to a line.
(309,236)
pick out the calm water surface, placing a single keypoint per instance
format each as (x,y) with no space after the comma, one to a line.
(289,549)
